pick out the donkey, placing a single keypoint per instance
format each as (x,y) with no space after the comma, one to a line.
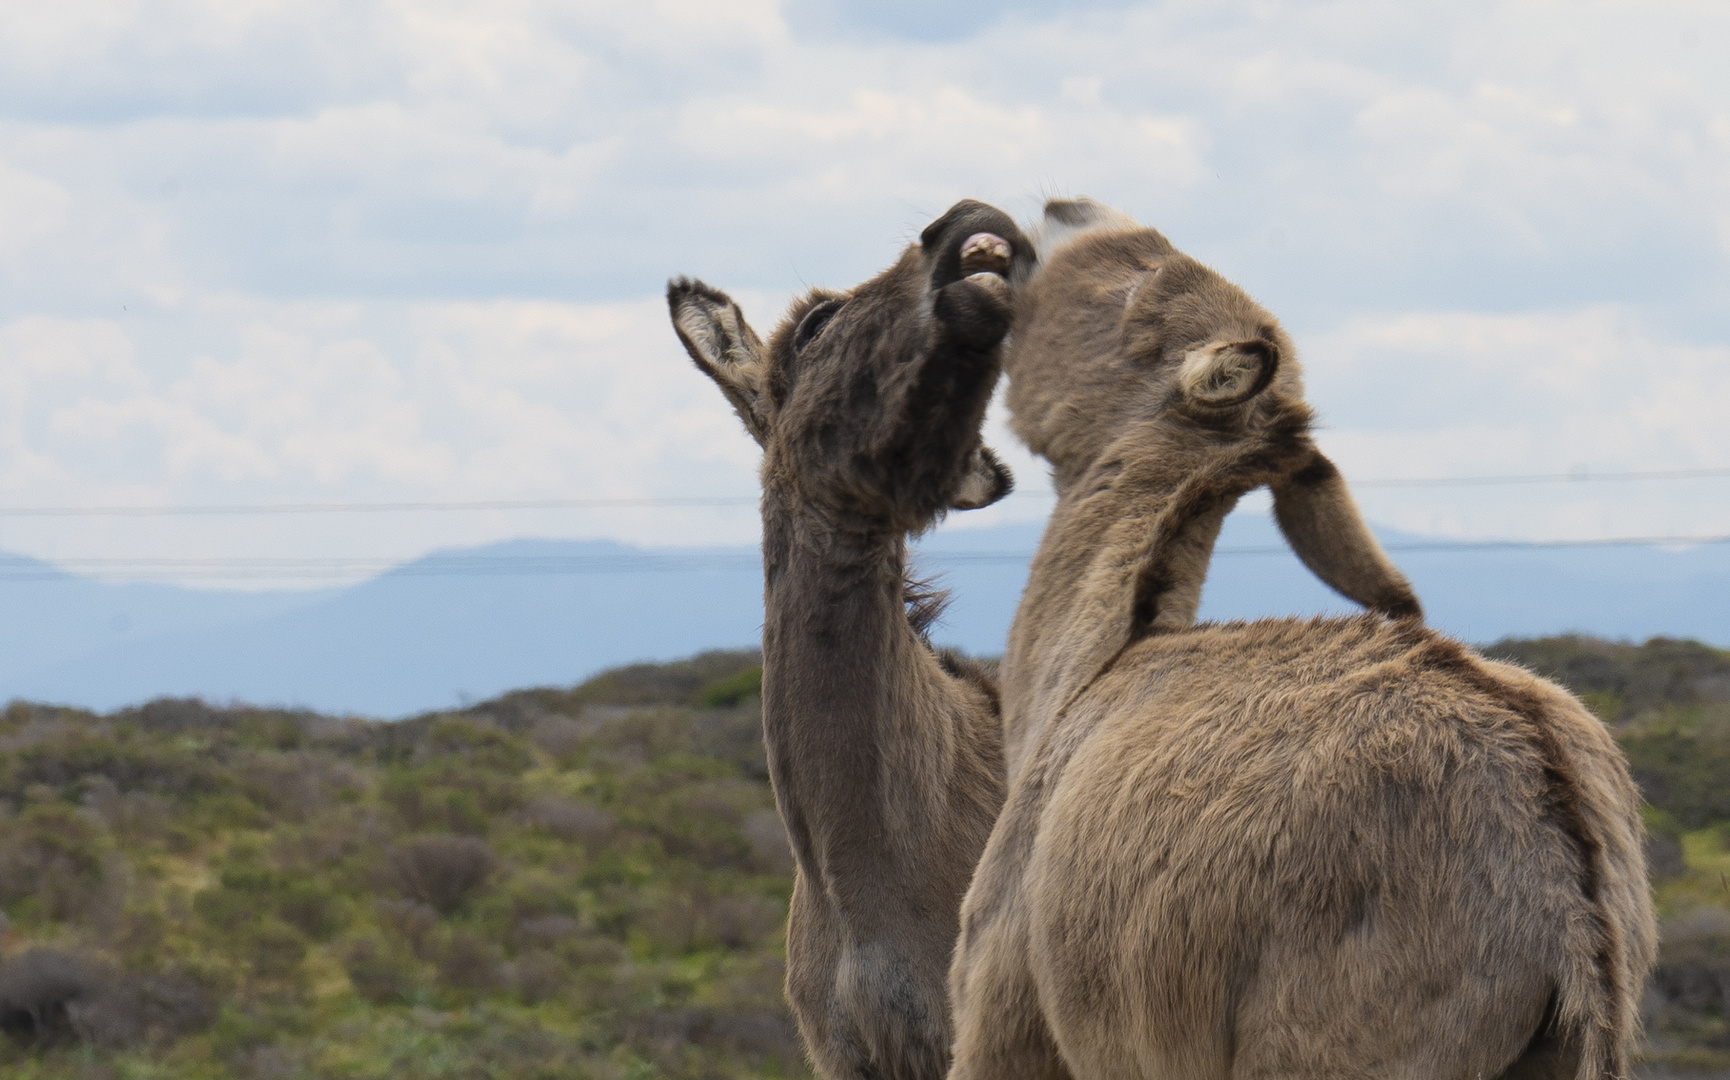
(1345,847)
(885,755)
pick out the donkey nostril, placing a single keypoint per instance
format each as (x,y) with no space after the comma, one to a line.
(985,251)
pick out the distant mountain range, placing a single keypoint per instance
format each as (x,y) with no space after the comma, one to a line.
(464,625)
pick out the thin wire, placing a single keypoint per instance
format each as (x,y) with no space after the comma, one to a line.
(1415,546)
(243,509)
(266,569)
(1578,476)
(208,509)
(1515,545)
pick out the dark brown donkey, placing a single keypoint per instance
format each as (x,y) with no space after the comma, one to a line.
(885,754)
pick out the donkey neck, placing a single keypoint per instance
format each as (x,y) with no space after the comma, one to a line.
(854,702)
(1124,557)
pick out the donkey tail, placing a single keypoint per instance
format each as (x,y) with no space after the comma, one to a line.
(1608,937)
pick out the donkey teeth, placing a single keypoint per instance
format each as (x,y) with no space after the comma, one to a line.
(985,251)
(991,283)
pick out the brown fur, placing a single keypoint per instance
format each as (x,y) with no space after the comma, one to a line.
(885,756)
(1335,848)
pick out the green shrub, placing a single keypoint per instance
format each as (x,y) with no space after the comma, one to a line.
(296,785)
(379,973)
(536,976)
(139,817)
(444,872)
(469,964)
(481,747)
(450,795)
(40,989)
(226,910)
(1623,680)
(168,769)
(311,908)
(231,810)
(248,890)
(52,854)
(677,683)
(275,950)
(50,996)
(1694,962)
(741,920)
(733,689)
(568,819)
(412,921)
(1680,758)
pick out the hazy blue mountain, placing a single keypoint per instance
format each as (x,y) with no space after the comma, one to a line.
(435,632)
(470,624)
(51,616)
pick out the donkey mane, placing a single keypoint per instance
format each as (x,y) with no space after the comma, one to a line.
(925,601)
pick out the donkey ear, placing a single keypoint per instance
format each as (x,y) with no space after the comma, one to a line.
(1321,522)
(1221,374)
(723,345)
(985,481)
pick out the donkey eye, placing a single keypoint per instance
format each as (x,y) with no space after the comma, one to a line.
(814,322)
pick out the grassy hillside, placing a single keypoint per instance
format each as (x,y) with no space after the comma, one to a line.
(584,882)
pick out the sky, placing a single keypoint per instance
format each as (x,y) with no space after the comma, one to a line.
(355,250)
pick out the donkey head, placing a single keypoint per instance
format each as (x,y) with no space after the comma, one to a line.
(1118,333)
(1119,328)
(868,402)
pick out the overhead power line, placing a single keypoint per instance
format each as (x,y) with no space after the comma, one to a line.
(1516,545)
(348,569)
(1411,546)
(653,502)
(1578,476)
(243,509)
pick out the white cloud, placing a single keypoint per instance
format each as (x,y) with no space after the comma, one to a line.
(327,401)
(481,146)
(1470,394)
(266,250)
(31,208)
(867,145)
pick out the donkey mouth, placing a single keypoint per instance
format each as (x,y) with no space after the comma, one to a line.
(984,261)
(985,252)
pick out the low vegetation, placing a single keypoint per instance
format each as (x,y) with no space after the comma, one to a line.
(587,882)
(582,882)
